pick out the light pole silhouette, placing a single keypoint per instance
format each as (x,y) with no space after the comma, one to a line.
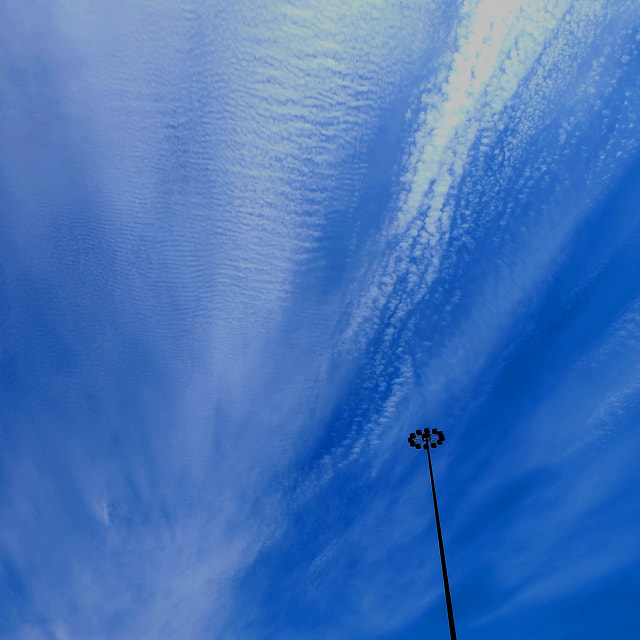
(430,439)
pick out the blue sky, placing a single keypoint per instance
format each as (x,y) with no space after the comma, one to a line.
(246,248)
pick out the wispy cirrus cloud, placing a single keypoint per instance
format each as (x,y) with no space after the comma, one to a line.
(412,266)
(243,341)
(211,162)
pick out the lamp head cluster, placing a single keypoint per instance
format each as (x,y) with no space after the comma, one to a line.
(422,438)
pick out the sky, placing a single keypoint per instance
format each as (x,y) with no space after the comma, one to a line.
(246,248)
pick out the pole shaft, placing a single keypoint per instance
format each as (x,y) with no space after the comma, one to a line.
(452,627)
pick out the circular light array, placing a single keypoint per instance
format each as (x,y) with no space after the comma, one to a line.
(422,438)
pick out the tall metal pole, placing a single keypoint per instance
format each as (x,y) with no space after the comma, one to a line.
(452,627)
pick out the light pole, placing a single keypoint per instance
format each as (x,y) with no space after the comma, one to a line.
(430,439)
